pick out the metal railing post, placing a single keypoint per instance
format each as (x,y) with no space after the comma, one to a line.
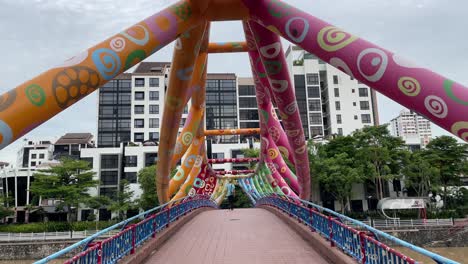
(330,226)
(133,228)
(362,242)
(311,220)
(154,226)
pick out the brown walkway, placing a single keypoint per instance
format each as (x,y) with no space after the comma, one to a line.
(241,236)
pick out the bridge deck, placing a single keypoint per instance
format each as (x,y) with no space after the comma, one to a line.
(240,236)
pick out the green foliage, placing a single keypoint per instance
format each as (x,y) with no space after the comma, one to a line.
(147,181)
(5,206)
(54,226)
(420,174)
(122,202)
(251,153)
(68,182)
(241,199)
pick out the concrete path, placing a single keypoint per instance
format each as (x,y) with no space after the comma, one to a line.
(242,236)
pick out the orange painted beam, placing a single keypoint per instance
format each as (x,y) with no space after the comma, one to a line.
(227,47)
(242,131)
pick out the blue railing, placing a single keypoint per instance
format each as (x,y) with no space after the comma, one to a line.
(362,245)
(111,249)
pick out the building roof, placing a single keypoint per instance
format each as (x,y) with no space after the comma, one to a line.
(75,138)
(221,76)
(123,76)
(151,67)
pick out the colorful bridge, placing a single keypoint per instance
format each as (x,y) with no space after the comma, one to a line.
(188,22)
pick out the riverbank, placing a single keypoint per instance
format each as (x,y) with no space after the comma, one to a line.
(459,254)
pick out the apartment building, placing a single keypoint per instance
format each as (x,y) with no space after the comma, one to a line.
(414,129)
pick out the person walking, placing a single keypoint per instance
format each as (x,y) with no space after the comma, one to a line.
(231,191)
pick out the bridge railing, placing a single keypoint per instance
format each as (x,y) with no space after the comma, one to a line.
(131,234)
(363,245)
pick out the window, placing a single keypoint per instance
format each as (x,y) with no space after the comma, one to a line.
(316,130)
(139,137)
(314,105)
(139,96)
(337,92)
(354,103)
(139,82)
(139,123)
(247,102)
(313,79)
(41,156)
(313,91)
(89,160)
(109,177)
(154,122)
(366,118)
(185,110)
(355,117)
(154,82)
(335,79)
(131,177)
(363,92)
(249,124)
(340,131)
(33,163)
(131,161)
(182,122)
(154,136)
(218,155)
(246,90)
(139,109)
(33,156)
(338,105)
(154,109)
(315,118)
(338,119)
(248,114)
(125,98)
(109,161)
(364,105)
(150,159)
(353,90)
(154,95)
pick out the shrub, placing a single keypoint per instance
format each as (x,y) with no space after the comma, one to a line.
(53,227)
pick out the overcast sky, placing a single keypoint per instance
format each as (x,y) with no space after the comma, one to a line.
(38,34)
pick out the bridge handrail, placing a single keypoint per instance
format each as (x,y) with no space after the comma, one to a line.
(343,218)
(89,239)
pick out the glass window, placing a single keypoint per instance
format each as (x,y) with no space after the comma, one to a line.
(131,177)
(363,92)
(247,102)
(355,117)
(111,193)
(335,79)
(107,98)
(131,161)
(125,98)
(182,122)
(337,105)
(154,109)
(185,110)
(249,124)
(313,91)
(41,156)
(218,155)
(150,159)
(154,122)
(109,177)
(139,123)
(139,82)
(139,96)
(246,90)
(154,82)
(154,95)
(139,109)
(364,105)
(353,90)
(313,79)
(340,131)
(109,161)
(315,118)
(139,137)
(33,156)
(354,103)
(338,119)
(366,118)
(33,163)
(337,92)
(316,130)
(124,124)
(154,136)
(309,56)
(315,105)
(248,114)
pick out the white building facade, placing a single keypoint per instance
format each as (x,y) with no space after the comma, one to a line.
(414,129)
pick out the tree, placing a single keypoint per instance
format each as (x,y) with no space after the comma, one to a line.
(67,182)
(420,174)
(122,202)
(450,158)
(5,208)
(96,203)
(251,153)
(146,179)
(381,155)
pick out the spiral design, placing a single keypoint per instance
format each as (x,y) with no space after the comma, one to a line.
(107,62)
(190,160)
(291,108)
(187,138)
(436,106)
(117,44)
(199,183)
(301,150)
(198,161)
(6,134)
(284,151)
(134,35)
(7,99)
(272,153)
(292,133)
(265,143)
(179,175)
(461,130)
(331,38)
(35,94)
(283,169)
(341,65)
(279,86)
(409,86)
(178,148)
(372,64)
